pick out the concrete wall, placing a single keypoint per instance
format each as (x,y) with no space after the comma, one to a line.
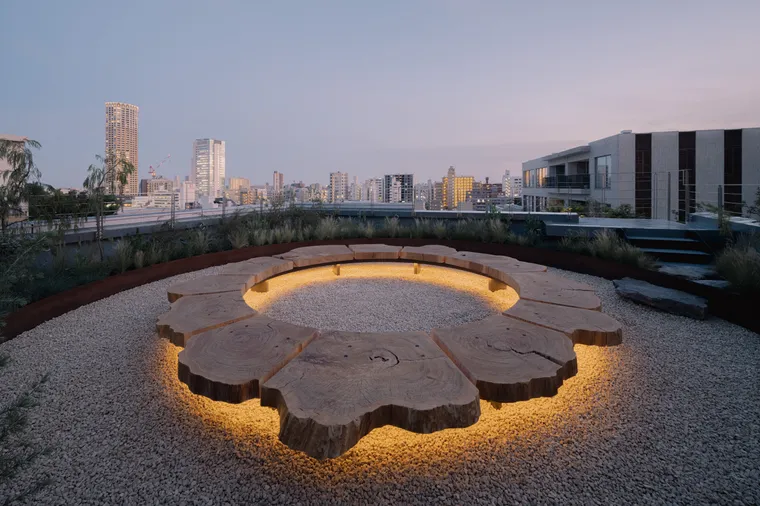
(709,165)
(664,164)
(750,164)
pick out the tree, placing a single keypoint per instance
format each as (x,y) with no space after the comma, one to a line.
(13,183)
(102,177)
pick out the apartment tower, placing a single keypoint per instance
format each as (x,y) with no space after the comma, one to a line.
(121,141)
(208,168)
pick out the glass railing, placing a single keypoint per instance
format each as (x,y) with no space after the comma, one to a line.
(572,182)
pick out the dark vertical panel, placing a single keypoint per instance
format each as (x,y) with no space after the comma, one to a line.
(687,165)
(732,171)
(643,174)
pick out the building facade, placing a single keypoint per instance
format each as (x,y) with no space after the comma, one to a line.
(398,188)
(338,189)
(239,183)
(455,189)
(660,175)
(122,142)
(278,181)
(511,186)
(208,168)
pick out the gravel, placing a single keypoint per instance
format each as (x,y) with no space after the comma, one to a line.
(671,416)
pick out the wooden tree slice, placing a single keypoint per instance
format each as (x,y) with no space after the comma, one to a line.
(317,255)
(580,325)
(205,285)
(551,289)
(194,314)
(509,360)
(375,251)
(432,253)
(229,363)
(344,384)
(494,266)
(259,269)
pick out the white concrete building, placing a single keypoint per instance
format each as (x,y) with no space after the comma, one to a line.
(398,188)
(658,174)
(372,190)
(186,194)
(511,185)
(208,168)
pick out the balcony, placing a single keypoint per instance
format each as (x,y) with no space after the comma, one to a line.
(574,183)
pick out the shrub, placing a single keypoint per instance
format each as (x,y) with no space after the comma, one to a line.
(139,259)
(369,230)
(123,255)
(498,231)
(283,234)
(608,245)
(739,263)
(155,253)
(238,237)
(392,226)
(199,241)
(327,228)
(439,229)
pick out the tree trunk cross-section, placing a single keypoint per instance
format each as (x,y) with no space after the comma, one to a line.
(509,360)
(344,384)
(494,266)
(206,285)
(375,251)
(194,314)
(580,325)
(318,255)
(229,363)
(551,289)
(259,269)
(434,253)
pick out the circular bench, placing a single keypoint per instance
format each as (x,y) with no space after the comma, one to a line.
(332,388)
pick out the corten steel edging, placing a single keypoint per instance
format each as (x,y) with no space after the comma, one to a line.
(732,307)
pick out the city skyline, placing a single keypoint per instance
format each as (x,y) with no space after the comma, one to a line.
(473,86)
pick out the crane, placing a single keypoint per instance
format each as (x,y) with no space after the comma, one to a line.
(152,171)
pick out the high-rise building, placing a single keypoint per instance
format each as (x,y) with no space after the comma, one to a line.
(186,195)
(373,190)
(208,169)
(355,190)
(398,188)
(156,185)
(456,189)
(511,186)
(278,181)
(338,189)
(121,143)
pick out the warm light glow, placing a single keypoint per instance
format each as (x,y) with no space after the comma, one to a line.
(453,279)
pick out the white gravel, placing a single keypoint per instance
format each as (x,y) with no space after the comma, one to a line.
(671,416)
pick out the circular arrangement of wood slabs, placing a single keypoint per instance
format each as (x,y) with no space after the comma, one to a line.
(333,388)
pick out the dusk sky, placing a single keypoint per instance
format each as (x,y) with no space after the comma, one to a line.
(370,87)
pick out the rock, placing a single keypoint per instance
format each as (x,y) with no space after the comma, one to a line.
(715,283)
(688,271)
(664,299)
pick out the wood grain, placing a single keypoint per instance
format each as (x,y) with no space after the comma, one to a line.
(494,266)
(345,384)
(580,325)
(509,360)
(205,285)
(229,363)
(194,314)
(552,289)
(432,253)
(259,269)
(375,251)
(318,255)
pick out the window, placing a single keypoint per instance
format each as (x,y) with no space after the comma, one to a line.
(602,178)
(526,177)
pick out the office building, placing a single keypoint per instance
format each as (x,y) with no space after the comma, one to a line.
(278,181)
(636,169)
(155,185)
(338,189)
(122,144)
(208,168)
(455,189)
(373,190)
(511,185)
(355,190)
(398,188)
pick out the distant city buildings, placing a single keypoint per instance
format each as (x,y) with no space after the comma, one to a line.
(239,183)
(278,181)
(456,189)
(208,167)
(338,188)
(122,143)
(398,188)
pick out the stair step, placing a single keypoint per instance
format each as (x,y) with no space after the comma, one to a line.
(679,251)
(663,239)
(679,255)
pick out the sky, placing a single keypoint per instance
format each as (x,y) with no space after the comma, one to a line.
(370,87)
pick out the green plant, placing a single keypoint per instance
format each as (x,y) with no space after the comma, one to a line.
(327,228)
(392,226)
(739,263)
(283,234)
(123,255)
(238,237)
(369,230)
(608,245)
(16,453)
(439,229)
(199,241)
(497,230)
(139,260)
(14,185)
(155,253)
